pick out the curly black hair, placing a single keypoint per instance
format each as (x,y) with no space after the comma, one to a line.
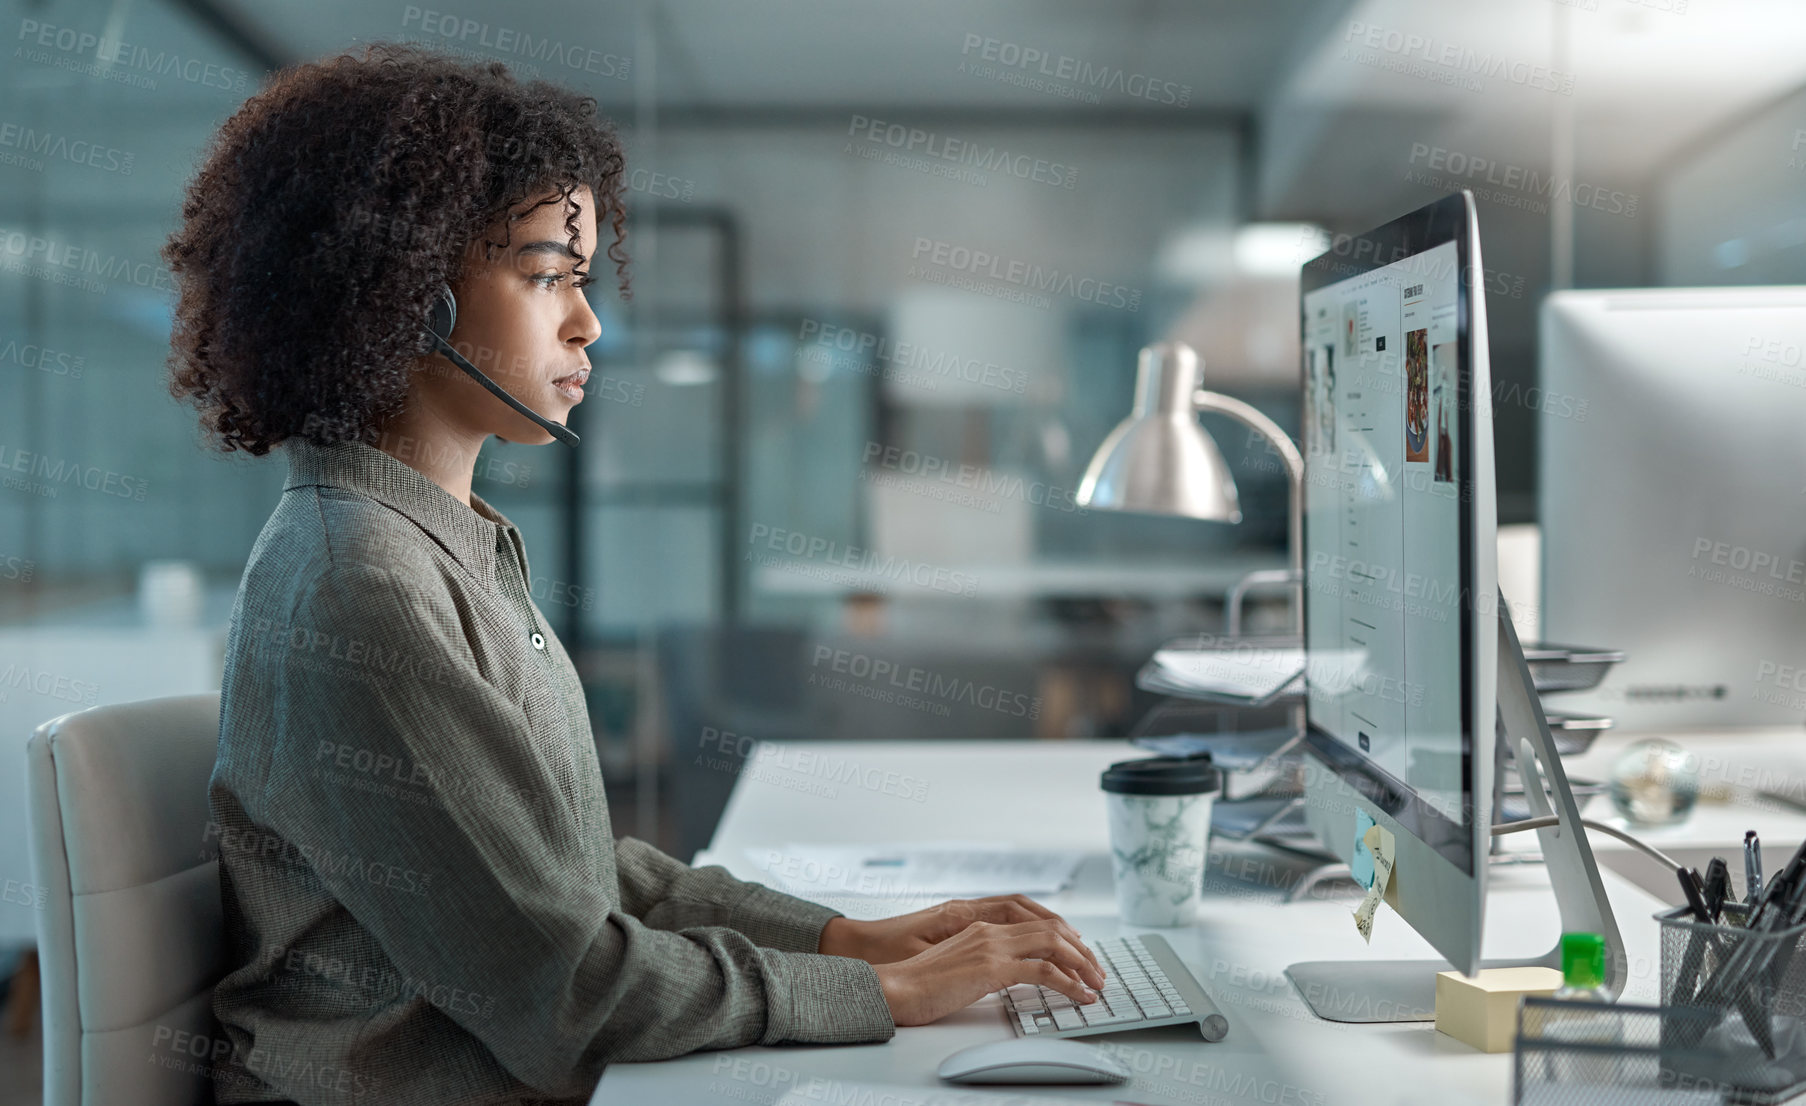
(328,210)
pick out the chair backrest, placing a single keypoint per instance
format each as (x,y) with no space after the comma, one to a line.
(131,935)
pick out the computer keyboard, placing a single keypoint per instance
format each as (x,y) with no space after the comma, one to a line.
(1145,986)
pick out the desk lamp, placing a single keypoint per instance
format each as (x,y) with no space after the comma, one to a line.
(1161,461)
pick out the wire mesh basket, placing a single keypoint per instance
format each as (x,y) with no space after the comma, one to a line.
(1572,1053)
(1747,992)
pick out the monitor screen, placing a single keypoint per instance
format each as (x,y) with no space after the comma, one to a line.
(1387,501)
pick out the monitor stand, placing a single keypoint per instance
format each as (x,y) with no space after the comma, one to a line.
(1405,990)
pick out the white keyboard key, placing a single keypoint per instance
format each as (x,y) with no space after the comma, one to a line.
(1068,1018)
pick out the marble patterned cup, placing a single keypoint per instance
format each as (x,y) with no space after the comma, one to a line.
(1159,810)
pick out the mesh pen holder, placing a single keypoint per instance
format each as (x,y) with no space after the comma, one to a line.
(1575,1053)
(1737,1003)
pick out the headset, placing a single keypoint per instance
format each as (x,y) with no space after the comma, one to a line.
(439,323)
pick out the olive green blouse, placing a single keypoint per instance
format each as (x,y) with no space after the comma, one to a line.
(424,900)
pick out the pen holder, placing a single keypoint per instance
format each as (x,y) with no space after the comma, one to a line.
(1738,1003)
(1580,1053)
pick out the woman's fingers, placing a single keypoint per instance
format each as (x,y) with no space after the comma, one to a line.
(1018,909)
(1064,928)
(1053,946)
(1047,975)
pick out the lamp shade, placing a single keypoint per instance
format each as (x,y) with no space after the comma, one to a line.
(1159,460)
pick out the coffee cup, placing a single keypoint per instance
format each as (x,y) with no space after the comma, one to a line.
(1159,810)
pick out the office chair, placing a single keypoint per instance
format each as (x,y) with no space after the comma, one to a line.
(131,935)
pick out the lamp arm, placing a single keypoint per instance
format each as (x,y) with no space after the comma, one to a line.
(1251,417)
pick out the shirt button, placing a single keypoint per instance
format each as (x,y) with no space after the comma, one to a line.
(539,641)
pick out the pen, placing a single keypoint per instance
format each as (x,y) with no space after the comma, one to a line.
(1687,982)
(1718,887)
(1748,976)
(1690,886)
(1752,867)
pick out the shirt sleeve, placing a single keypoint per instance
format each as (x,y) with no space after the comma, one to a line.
(666,893)
(466,885)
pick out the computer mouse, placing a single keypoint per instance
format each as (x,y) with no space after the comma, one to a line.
(1032,1060)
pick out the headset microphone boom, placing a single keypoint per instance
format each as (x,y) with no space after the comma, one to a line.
(439,324)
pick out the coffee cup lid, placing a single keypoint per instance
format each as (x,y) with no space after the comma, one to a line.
(1160,775)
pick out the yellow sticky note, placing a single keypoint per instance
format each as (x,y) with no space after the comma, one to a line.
(1483,1011)
(1378,840)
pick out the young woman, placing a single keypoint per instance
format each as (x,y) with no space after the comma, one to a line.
(424,900)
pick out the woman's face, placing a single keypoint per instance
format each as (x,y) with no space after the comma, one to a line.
(523,320)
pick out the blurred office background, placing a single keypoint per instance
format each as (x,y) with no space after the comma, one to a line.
(814,384)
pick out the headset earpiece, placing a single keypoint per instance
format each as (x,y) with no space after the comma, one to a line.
(444,314)
(440,320)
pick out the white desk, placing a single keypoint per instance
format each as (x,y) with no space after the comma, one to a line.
(1277,1052)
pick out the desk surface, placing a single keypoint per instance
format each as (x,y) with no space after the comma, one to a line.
(1045,793)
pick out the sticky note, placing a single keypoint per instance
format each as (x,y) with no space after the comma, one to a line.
(1483,1011)
(1361,863)
(1379,842)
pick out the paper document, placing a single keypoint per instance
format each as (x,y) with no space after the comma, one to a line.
(960,869)
(1252,672)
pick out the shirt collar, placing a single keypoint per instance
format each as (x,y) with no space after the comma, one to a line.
(469,534)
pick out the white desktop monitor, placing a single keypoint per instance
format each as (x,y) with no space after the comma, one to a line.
(1672,467)
(1401,618)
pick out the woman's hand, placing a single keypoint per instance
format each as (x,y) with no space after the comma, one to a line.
(983,957)
(889,940)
